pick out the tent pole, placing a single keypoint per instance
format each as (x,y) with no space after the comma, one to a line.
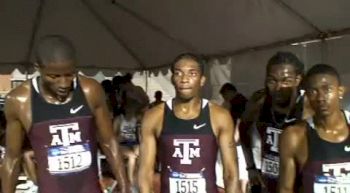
(298,15)
(146,81)
(36,26)
(108,28)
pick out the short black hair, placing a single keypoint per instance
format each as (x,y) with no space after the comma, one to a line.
(53,48)
(158,94)
(322,69)
(107,85)
(227,86)
(126,78)
(116,80)
(281,58)
(195,57)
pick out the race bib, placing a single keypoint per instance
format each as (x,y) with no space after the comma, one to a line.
(129,137)
(187,183)
(270,167)
(69,159)
(327,184)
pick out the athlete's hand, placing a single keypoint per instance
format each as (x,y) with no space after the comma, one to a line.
(255,178)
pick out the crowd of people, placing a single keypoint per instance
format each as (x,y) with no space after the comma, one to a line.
(290,136)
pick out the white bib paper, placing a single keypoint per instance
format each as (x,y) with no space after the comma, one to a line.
(270,167)
(187,183)
(69,159)
(331,184)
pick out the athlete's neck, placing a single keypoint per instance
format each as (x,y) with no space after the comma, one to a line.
(187,109)
(51,97)
(334,121)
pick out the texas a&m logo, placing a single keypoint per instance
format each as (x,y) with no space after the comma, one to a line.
(337,170)
(65,134)
(186,149)
(272,138)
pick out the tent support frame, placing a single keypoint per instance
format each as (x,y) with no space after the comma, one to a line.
(104,23)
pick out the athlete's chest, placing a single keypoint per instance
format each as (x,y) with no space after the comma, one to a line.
(184,149)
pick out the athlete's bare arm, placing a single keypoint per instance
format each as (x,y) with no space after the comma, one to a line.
(249,117)
(29,165)
(292,155)
(150,130)
(16,113)
(116,127)
(224,129)
(95,97)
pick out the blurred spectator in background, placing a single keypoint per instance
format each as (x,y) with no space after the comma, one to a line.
(233,100)
(133,93)
(158,98)
(110,95)
(117,102)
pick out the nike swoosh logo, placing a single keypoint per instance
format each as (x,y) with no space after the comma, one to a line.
(75,110)
(347,148)
(290,120)
(195,126)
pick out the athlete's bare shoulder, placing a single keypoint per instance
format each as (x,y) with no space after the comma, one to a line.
(296,130)
(156,110)
(89,84)
(92,90)
(20,94)
(294,135)
(220,118)
(153,119)
(217,109)
(17,104)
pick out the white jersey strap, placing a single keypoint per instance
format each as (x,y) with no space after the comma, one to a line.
(169,103)
(35,82)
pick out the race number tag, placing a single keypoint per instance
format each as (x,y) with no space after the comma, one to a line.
(327,184)
(68,159)
(129,137)
(187,183)
(270,167)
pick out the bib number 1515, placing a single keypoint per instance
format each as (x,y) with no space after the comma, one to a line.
(187,185)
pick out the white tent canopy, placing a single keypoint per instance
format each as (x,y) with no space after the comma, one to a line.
(119,35)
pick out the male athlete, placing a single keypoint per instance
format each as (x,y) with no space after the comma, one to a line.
(315,154)
(64,116)
(282,105)
(186,133)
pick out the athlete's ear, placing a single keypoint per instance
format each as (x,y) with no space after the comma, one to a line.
(203,79)
(298,79)
(341,91)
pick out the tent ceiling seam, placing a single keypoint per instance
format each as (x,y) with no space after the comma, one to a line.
(156,28)
(314,36)
(104,23)
(284,5)
(307,37)
(35,29)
